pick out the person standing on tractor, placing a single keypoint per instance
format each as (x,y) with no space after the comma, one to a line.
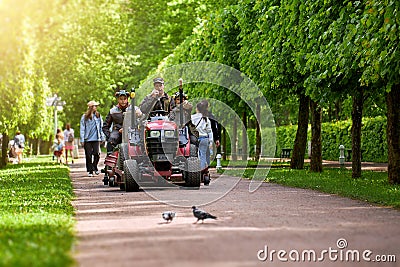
(91,135)
(187,107)
(158,99)
(112,127)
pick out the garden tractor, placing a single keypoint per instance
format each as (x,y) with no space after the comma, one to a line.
(155,152)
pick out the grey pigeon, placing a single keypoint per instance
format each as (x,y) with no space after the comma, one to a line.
(168,215)
(202,215)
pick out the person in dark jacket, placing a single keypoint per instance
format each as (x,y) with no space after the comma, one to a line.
(158,99)
(113,124)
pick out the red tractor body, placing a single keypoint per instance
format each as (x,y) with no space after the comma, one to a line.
(156,153)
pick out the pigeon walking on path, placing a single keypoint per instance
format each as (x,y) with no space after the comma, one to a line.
(168,216)
(202,215)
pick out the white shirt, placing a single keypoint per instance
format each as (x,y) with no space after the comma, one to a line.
(203,126)
(66,134)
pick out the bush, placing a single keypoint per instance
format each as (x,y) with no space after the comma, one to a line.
(374,144)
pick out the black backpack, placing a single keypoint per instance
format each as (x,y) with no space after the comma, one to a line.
(17,143)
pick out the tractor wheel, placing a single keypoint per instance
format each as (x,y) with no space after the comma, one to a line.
(111,181)
(105,179)
(206,179)
(192,172)
(122,155)
(193,151)
(131,172)
(122,186)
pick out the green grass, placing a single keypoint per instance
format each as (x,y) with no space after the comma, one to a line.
(249,163)
(373,187)
(36,215)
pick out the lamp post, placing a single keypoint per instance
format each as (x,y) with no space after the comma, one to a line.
(56,102)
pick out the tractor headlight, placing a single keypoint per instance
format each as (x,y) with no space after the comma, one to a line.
(155,133)
(169,134)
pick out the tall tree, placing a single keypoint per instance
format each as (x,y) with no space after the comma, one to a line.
(377,31)
(333,62)
(22,79)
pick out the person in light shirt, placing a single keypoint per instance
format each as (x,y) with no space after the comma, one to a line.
(91,135)
(69,142)
(203,126)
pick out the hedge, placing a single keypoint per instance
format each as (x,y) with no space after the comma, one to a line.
(373,139)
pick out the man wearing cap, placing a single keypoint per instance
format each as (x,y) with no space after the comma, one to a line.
(112,127)
(157,100)
(91,135)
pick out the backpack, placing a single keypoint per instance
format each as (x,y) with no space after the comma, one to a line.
(70,137)
(17,143)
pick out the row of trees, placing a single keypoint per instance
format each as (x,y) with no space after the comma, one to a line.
(320,51)
(80,50)
(316,53)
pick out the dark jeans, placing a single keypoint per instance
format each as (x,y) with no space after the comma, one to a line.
(113,141)
(92,153)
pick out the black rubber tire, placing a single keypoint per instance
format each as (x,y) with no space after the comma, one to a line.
(105,179)
(206,179)
(111,181)
(131,172)
(122,186)
(192,172)
(122,155)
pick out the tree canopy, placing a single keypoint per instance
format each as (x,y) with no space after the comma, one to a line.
(83,51)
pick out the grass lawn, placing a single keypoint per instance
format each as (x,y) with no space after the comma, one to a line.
(373,187)
(36,215)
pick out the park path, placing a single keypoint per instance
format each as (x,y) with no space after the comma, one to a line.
(115,228)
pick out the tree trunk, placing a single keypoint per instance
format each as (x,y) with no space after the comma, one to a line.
(316,145)
(258,133)
(300,143)
(4,151)
(393,134)
(35,146)
(234,139)
(244,136)
(356,116)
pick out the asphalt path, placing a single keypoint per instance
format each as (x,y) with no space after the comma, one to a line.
(273,226)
